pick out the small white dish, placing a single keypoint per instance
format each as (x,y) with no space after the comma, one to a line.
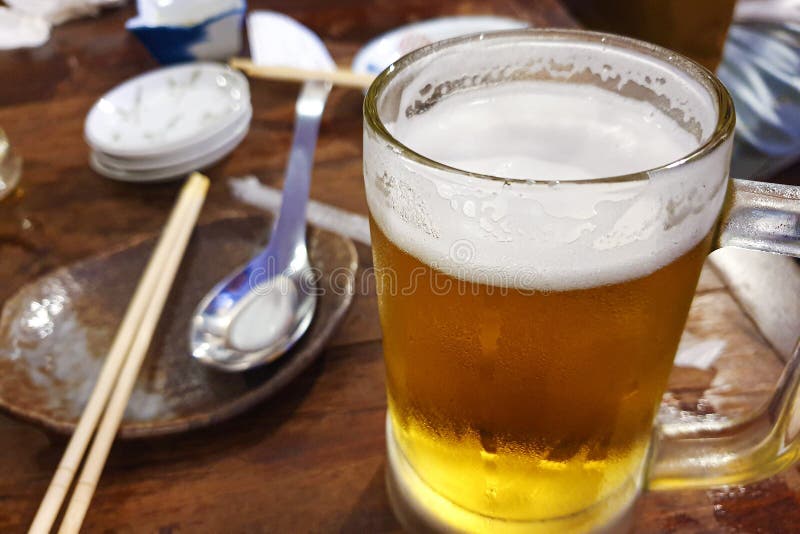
(178,157)
(385,49)
(173,171)
(166,110)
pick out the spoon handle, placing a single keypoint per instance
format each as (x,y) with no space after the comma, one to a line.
(290,228)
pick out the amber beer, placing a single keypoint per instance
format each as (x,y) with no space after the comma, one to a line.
(523,404)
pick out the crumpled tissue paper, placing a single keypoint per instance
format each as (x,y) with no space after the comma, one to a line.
(26,23)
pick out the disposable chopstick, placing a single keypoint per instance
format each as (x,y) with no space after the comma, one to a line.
(70,461)
(342,77)
(95,461)
(176,231)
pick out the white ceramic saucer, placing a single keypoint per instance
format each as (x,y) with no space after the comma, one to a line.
(172,171)
(166,110)
(177,157)
(385,49)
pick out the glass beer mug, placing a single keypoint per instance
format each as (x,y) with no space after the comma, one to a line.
(541,205)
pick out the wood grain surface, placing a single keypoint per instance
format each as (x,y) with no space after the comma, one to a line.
(312,458)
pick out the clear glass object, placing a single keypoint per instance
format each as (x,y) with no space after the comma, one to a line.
(759,67)
(10,167)
(526,362)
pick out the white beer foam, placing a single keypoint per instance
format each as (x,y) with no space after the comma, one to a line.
(555,236)
(545,131)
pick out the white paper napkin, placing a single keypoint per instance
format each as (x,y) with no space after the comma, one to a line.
(58,11)
(26,23)
(19,30)
(250,190)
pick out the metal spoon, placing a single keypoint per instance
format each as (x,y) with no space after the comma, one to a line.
(258,312)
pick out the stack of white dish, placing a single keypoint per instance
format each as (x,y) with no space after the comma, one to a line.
(168,122)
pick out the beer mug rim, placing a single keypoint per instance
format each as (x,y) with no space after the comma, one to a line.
(726,117)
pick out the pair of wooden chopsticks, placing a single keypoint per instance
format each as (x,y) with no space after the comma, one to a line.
(120,370)
(342,77)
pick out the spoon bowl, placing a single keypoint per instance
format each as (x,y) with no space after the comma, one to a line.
(259,327)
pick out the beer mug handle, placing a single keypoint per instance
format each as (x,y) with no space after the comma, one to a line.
(765,217)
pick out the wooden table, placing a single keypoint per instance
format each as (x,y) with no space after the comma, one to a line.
(311,459)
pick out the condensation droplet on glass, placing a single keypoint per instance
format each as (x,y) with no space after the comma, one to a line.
(469,208)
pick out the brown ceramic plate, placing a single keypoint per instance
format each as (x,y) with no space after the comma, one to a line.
(55,332)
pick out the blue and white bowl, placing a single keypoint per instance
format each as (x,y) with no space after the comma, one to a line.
(218,37)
